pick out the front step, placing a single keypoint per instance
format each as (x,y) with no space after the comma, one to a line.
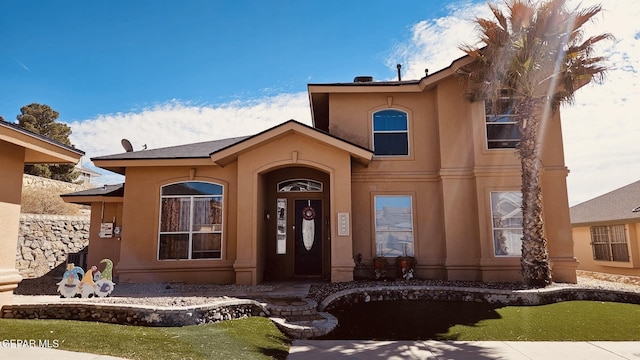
(299,318)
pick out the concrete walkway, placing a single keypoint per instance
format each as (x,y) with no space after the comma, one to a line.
(462,350)
(403,350)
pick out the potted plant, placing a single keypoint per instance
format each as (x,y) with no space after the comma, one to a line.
(360,272)
(380,263)
(406,264)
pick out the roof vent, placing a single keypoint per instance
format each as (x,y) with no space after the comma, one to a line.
(361,79)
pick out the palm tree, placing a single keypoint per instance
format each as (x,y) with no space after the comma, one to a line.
(537,54)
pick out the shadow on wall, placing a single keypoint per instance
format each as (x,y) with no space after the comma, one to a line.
(46,284)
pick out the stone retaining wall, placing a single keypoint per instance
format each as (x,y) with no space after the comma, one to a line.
(351,297)
(45,240)
(137,315)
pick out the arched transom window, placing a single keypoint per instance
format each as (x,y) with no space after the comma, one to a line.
(190,221)
(299,185)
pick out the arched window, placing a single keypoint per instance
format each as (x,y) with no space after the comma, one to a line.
(300,185)
(190,221)
(390,132)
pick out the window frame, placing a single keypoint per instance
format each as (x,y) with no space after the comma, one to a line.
(216,228)
(378,247)
(495,229)
(608,247)
(505,95)
(405,132)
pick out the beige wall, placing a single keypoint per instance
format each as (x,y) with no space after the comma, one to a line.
(140,225)
(12,164)
(101,248)
(583,251)
(245,202)
(450,174)
(299,151)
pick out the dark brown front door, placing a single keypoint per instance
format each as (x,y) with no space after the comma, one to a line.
(308,237)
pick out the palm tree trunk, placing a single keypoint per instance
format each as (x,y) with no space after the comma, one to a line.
(536,269)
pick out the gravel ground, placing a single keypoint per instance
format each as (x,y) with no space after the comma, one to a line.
(179,294)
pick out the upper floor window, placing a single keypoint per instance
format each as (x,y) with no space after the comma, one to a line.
(502,128)
(506,214)
(390,133)
(190,221)
(609,243)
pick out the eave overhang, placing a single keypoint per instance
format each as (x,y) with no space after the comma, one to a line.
(38,149)
(106,194)
(119,165)
(319,93)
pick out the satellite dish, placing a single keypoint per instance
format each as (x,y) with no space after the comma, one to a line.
(126,144)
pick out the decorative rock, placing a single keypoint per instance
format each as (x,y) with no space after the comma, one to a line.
(45,240)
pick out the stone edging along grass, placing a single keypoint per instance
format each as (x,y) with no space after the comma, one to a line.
(237,308)
(137,314)
(350,297)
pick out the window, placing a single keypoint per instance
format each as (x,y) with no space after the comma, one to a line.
(190,221)
(609,243)
(394,226)
(299,185)
(506,215)
(390,133)
(502,128)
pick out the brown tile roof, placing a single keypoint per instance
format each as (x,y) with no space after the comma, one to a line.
(617,205)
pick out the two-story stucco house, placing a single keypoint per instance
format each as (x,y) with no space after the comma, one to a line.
(388,168)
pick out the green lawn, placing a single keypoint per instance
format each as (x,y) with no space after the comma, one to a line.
(420,320)
(249,338)
(565,321)
(256,338)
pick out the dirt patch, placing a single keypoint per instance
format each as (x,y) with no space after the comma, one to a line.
(634,280)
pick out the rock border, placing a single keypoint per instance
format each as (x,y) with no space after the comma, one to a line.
(350,297)
(303,328)
(138,315)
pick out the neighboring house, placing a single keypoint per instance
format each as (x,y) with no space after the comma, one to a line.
(17,148)
(606,232)
(387,169)
(87,176)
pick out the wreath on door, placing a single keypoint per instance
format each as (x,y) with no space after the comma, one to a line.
(308,213)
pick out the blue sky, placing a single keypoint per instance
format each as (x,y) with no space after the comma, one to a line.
(88,58)
(164,73)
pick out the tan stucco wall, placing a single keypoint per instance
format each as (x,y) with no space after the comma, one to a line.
(583,251)
(140,226)
(450,173)
(11,164)
(291,150)
(101,248)
(244,229)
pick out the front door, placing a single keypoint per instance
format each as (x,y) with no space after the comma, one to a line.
(308,237)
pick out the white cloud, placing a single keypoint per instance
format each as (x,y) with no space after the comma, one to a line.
(177,123)
(600,130)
